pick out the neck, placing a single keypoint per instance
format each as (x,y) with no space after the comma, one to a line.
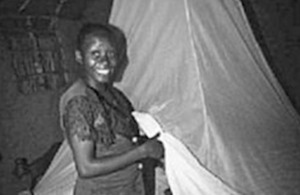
(99,86)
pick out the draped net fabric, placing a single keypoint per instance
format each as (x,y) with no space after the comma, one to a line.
(194,64)
(183,173)
(60,177)
(196,67)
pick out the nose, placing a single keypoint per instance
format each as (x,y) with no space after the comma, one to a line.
(103,60)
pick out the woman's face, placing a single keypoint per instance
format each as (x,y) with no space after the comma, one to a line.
(99,59)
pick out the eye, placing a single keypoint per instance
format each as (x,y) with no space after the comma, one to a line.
(111,54)
(96,54)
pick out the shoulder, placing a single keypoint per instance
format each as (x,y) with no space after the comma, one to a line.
(77,117)
(118,91)
(78,95)
(77,108)
(78,103)
(78,88)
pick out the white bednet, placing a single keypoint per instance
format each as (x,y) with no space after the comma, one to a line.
(196,67)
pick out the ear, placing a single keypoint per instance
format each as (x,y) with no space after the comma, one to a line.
(78,56)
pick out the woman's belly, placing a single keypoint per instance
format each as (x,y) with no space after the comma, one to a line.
(123,177)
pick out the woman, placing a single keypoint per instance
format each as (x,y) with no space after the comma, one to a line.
(97,119)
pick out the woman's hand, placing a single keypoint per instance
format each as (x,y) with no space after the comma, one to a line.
(153,148)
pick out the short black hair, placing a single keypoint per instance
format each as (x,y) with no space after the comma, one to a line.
(94,28)
(114,35)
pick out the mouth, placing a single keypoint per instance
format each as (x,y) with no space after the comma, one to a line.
(102,71)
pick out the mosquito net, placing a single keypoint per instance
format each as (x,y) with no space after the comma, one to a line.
(196,67)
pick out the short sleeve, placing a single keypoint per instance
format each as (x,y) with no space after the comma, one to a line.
(77,118)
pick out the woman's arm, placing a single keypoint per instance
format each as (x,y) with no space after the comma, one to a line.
(79,129)
(89,166)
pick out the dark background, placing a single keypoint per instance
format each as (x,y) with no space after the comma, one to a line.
(29,122)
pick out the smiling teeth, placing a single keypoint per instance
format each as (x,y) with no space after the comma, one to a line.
(103,71)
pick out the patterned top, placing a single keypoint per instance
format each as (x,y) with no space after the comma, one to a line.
(99,117)
(105,118)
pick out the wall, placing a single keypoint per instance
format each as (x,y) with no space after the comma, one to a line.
(277,25)
(29,123)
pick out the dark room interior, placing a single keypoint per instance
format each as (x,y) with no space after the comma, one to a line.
(37,37)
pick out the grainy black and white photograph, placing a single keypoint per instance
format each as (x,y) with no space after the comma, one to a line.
(149,97)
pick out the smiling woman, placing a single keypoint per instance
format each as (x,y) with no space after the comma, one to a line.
(97,121)
(97,54)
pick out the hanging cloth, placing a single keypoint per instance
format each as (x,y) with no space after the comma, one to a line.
(185,175)
(195,65)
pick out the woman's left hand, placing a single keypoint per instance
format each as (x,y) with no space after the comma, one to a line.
(153,148)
